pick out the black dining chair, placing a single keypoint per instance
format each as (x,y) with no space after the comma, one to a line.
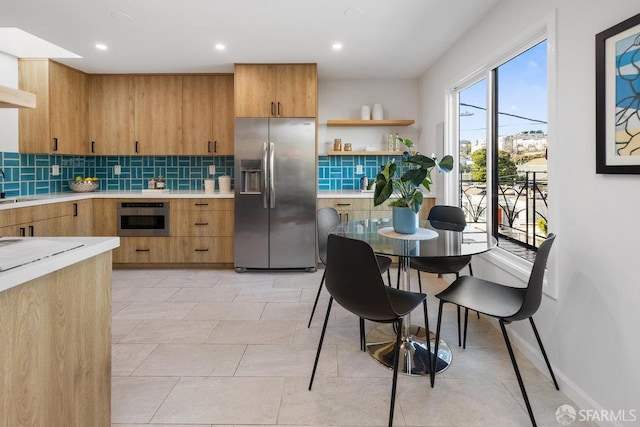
(443,217)
(353,280)
(327,219)
(505,303)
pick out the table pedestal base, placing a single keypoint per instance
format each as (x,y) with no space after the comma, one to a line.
(381,343)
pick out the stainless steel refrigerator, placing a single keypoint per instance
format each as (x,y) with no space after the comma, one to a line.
(275,194)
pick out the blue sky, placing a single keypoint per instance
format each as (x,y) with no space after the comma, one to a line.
(522,91)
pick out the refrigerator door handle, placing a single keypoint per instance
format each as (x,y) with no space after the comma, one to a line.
(265,180)
(272,173)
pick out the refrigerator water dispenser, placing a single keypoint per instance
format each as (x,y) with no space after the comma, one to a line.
(251,176)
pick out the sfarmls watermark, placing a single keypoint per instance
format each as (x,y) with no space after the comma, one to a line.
(567,414)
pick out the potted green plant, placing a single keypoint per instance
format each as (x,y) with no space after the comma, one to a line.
(414,170)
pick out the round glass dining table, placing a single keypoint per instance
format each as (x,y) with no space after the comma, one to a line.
(427,242)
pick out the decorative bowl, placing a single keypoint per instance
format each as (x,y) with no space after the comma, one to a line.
(84,186)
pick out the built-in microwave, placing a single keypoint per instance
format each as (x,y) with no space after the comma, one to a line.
(141,219)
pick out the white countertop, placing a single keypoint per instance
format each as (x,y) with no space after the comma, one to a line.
(91,246)
(42,199)
(328,194)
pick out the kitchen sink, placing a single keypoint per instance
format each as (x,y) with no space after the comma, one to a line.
(14,200)
(8,241)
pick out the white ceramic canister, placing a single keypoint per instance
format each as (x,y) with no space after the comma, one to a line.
(365,112)
(378,112)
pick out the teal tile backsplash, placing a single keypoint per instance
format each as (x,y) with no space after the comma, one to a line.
(30,174)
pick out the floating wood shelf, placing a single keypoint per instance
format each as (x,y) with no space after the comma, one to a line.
(364,153)
(370,122)
(14,98)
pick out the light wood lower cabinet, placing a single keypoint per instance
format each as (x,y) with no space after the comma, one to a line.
(143,250)
(53,219)
(202,230)
(349,209)
(55,356)
(352,209)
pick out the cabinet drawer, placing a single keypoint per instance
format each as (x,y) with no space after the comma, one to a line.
(202,223)
(345,204)
(142,250)
(202,204)
(202,249)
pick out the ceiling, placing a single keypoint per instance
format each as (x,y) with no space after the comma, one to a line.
(381,38)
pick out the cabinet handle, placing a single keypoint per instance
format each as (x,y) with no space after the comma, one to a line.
(142,250)
(55,144)
(340,215)
(347,215)
(23,232)
(273,109)
(215,146)
(75,209)
(201,204)
(279,108)
(343,204)
(93,146)
(208,146)
(137,146)
(202,250)
(201,223)
(31,231)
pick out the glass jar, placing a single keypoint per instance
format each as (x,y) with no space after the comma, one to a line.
(347,146)
(337,144)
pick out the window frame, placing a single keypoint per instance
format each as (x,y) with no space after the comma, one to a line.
(539,31)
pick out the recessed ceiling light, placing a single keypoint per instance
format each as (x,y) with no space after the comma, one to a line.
(121,16)
(352,12)
(101,46)
(337,46)
(220,46)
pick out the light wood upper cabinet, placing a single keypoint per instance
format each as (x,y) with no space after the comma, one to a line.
(276,90)
(158,114)
(58,124)
(207,122)
(112,114)
(223,119)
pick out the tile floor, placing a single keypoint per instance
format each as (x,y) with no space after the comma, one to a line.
(214,347)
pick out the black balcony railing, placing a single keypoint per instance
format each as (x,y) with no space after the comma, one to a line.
(522,207)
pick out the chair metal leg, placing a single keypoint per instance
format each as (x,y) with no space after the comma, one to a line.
(324,329)
(396,360)
(313,310)
(517,371)
(363,343)
(459,334)
(419,281)
(389,275)
(398,278)
(544,353)
(466,321)
(432,377)
(458,310)
(428,336)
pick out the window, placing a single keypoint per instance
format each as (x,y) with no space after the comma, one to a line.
(502,133)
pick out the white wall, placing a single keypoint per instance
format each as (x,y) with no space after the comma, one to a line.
(8,116)
(591,330)
(341,100)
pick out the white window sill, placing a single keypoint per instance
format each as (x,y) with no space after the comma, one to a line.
(517,267)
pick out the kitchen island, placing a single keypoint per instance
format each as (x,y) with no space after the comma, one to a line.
(55,330)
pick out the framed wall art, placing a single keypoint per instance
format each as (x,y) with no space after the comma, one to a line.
(618,98)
